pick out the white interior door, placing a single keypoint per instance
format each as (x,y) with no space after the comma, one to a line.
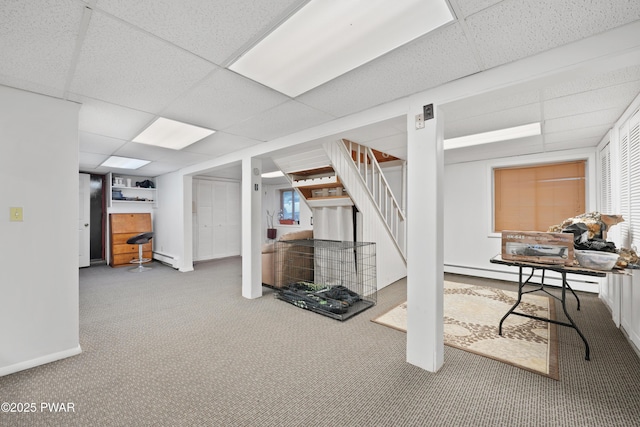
(217,219)
(204,197)
(84,234)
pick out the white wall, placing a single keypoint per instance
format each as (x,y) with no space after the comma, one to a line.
(169,221)
(38,256)
(469,241)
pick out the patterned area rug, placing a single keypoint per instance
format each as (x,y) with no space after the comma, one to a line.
(471,317)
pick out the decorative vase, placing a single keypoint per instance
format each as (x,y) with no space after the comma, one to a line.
(271,233)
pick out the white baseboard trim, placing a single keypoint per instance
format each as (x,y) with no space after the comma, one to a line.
(28,364)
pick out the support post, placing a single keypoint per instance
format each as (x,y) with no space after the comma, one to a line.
(425,223)
(251,228)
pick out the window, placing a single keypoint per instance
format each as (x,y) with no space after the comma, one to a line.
(533,198)
(290,205)
(630,182)
(605,181)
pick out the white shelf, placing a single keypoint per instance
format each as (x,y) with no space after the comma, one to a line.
(130,192)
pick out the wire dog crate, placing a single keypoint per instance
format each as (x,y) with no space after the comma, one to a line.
(333,278)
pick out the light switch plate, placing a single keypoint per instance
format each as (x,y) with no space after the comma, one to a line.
(15,214)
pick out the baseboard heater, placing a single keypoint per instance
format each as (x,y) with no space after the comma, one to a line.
(169,260)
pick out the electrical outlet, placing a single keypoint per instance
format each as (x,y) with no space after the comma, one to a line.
(419,121)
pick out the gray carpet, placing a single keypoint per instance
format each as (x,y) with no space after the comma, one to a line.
(164,348)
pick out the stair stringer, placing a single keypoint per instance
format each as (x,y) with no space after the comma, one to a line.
(391,264)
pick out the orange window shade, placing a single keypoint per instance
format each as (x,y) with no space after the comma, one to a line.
(533,198)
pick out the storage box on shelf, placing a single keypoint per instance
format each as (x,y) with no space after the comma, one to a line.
(131,189)
(320,186)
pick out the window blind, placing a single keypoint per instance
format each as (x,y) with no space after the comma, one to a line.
(634,180)
(533,198)
(605,181)
(624,185)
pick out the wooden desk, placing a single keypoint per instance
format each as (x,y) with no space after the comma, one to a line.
(563,270)
(123,226)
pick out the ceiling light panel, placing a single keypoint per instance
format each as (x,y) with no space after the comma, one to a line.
(516,132)
(275,174)
(327,38)
(171,134)
(124,163)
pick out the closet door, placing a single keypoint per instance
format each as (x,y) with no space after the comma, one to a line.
(234,218)
(220,208)
(217,220)
(226,219)
(205,224)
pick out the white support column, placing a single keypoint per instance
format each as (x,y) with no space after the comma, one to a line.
(425,220)
(251,228)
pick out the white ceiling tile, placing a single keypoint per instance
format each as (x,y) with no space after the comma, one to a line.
(586,133)
(128,67)
(601,80)
(619,96)
(282,120)
(427,62)
(579,121)
(30,86)
(468,7)
(518,147)
(37,40)
(99,144)
(573,144)
(183,158)
(111,120)
(142,151)
(155,169)
(491,102)
(377,131)
(229,172)
(221,143)
(514,29)
(222,100)
(90,161)
(493,121)
(214,30)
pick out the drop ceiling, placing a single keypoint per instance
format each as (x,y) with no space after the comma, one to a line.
(130,62)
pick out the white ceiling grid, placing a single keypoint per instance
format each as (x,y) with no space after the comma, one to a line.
(134,61)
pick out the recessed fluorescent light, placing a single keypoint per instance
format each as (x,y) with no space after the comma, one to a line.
(327,38)
(172,134)
(523,131)
(275,174)
(124,163)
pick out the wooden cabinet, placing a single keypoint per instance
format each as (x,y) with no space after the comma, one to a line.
(124,226)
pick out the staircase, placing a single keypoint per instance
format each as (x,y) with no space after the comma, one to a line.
(340,174)
(359,170)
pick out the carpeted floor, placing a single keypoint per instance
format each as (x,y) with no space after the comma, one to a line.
(165,348)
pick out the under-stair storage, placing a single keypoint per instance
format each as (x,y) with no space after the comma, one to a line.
(320,187)
(333,278)
(378,216)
